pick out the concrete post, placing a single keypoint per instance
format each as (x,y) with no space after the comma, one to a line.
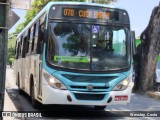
(4,8)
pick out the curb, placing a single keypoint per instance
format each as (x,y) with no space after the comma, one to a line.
(154,95)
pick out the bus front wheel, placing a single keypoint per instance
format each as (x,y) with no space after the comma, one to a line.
(35,103)
(99,107)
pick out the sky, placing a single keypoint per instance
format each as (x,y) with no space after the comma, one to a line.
(139,13)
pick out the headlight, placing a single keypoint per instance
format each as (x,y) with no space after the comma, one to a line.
(122,85)
(54,82)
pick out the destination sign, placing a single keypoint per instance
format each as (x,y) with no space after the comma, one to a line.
(89,13)
(84,12)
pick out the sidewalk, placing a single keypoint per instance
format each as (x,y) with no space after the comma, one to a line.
(8,103)
(154,95)
(8,106)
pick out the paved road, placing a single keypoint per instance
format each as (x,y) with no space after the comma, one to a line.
(138,103)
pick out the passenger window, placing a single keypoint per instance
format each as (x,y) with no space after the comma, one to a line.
(24,47)
(40,39)
(28,41)
(19,50)
(33,38)
(16,50)
(21,40)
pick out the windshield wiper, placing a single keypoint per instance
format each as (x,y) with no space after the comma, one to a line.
(76,31)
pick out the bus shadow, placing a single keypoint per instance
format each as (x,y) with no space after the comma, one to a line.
(59,111)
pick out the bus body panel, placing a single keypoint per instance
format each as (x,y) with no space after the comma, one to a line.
(22,69)
(18,72)
(27,73)
(37,73)
(26,68)
(32,70)
(55,96)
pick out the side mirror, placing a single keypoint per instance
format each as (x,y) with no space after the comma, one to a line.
(134,49)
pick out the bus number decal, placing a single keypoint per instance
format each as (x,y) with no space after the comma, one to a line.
(69,12)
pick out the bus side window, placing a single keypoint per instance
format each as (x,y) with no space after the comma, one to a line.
(33,38)
(40,39)
(18,50)
(36,36)
(41,28)
(28,41)
(21,46)
(24,47)
(15,50)
(18,47)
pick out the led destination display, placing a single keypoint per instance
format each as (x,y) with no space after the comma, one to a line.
(84,13)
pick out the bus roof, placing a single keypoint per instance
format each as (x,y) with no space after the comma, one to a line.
(46,8)
(84,3)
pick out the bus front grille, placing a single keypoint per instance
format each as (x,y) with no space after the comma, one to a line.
(94,87)
(89,79)
(80,96)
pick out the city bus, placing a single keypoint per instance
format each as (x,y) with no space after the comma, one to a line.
(75,53)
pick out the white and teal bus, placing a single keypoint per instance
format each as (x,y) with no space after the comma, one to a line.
(75,53)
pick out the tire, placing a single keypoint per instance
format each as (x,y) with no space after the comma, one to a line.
(34,102)
(99,107)
(158,87)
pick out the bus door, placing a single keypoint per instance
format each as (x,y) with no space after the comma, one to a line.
(39,36)
(38,71)
(23,67)
(27,62)
(39,49)
(40,29)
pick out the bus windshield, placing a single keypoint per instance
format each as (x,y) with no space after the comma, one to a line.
(86,46)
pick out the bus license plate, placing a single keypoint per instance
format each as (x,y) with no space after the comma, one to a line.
(121,98)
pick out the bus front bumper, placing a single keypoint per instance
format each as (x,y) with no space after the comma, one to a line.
(66,97)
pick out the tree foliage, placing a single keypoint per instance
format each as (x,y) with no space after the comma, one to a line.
(36,6)
(10,49)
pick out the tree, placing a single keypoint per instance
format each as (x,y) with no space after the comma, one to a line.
(36,6)
(148,54)
(10,49)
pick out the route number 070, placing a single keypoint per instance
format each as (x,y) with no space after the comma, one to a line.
(68,12)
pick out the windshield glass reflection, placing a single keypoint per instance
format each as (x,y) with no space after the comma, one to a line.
(87,46)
